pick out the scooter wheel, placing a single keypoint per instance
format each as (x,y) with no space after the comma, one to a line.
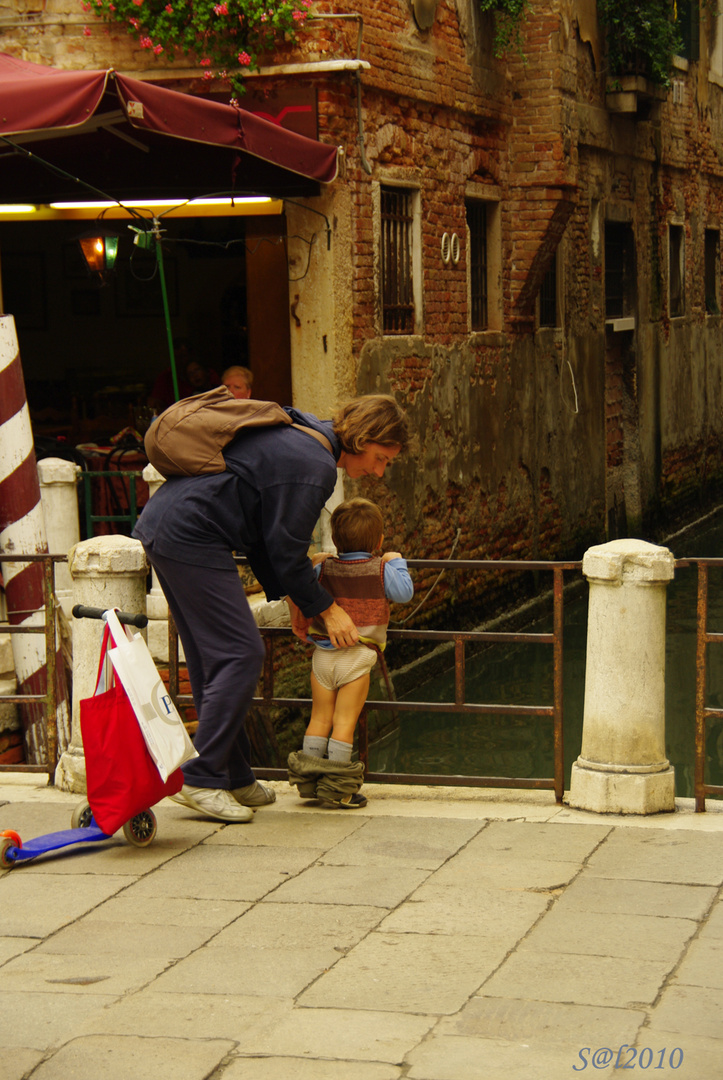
(5,845)
(82,816)
(141,829)
(12,835)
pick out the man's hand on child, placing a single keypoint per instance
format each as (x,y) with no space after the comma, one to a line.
(339,626)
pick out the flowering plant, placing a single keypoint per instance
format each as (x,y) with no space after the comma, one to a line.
(227,37)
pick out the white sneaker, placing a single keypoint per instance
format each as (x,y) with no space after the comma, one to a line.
(213,803)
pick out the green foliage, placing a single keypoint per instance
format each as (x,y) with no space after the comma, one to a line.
(642,37)
(225,36)
(508,16)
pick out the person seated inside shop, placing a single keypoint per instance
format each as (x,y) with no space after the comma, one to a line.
(193,378)
(239,380)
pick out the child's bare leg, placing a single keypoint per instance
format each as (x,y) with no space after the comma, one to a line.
(350,700)
(321,720)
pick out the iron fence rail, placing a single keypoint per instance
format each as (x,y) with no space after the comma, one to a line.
(460,639)
(553,711)
(49,700)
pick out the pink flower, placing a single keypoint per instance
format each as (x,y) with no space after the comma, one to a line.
(221,9)
(244,59)
(146,43)
(87,6)
(169,9)
(86,31)
(158,49)
(300,15)
(205,62)
(138,3)
(208,75)
(134,23)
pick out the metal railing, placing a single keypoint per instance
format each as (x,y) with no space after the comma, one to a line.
(49,700)
(114,483)
(460,706)
(703,713)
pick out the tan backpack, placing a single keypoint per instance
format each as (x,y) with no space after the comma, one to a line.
(189,437)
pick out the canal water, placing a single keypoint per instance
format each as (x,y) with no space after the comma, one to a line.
(500,745)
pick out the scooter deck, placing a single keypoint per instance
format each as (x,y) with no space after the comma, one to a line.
(40,845)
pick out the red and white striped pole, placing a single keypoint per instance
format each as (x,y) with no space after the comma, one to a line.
(22,531)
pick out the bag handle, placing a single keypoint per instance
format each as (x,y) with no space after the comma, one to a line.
(317,435)
(121,634)
(104,660)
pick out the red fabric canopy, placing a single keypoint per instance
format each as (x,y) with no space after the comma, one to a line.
(35,98)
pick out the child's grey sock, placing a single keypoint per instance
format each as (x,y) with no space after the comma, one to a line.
(314,745)
(339,751)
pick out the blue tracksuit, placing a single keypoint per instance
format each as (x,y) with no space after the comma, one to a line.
(264,506)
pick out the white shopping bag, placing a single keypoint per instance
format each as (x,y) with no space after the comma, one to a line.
(163,729)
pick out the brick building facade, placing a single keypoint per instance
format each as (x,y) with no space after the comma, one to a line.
(525,254)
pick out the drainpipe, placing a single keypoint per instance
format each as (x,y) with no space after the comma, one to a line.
(360,126)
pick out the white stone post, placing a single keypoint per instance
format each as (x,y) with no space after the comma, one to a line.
(622,768)
(107,571)
(59,496)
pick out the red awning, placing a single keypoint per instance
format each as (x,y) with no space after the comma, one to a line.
(44,103)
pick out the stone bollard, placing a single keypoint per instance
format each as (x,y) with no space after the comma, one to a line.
(107,571)
(622,768)
(59,496)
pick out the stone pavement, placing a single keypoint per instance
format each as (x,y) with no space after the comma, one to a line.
(437,934)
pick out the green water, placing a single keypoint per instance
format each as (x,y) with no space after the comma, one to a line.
(438,744)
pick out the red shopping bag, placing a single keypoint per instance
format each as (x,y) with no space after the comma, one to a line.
(122,777)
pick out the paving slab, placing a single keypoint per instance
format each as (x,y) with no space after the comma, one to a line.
(407,973)
(536,841)
(13,946)
(248,971)
(615,897)
(497,914)
(459,1058)
(657,855)
(297,926)
(109,974)
(634,936)
(402,842)
(281,1068)
(166,911)
(584,979)
(714,924)
(534,1021)
(37,904)
(100,938)
(345,1035)
(122,1057)
(689,1010)
(473,867)
(702,965)
(47,1018)
(154,1013)
(351,885)
(685,1057)
(274,827)
(19,1063)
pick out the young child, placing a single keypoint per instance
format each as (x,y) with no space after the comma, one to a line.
(362,584)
